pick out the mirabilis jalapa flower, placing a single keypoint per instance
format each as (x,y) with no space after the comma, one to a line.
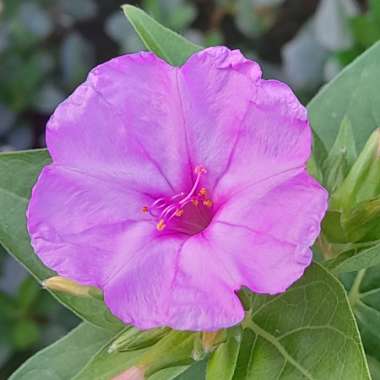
(171,188)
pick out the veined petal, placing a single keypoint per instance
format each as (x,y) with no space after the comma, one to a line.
(174,283)
(240,127)
(216,86)
(257,260)
(78,222)
(290,210)
(123,121)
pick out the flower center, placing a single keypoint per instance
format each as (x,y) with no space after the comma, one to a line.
(189,212)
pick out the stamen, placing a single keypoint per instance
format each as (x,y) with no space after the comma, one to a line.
(208,203)
(166,208)
(195,202)
(161,225)
(202,192)
(179,212)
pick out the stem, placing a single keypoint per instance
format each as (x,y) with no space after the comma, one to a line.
(354,293)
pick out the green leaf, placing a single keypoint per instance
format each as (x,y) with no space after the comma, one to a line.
(18,173)
(354,95)
(165,43)
(374,366)
(308,332)
(353,260)
(364,296)
(66,357)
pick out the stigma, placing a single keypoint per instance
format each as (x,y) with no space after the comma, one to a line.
(165,209)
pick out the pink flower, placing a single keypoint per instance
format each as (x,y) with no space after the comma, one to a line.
(171,188)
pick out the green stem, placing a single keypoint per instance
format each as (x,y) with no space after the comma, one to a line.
(354,293)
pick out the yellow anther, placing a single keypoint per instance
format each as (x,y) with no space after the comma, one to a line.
(208,203)
(161,225)
(202,192)
(145,209)
(179,212)
(195,202)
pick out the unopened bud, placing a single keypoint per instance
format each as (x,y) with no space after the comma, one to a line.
(207,342)
(133,339)
(362,220)
(174,349)
(362,182)
(65,285)
(340,158)
(133,373)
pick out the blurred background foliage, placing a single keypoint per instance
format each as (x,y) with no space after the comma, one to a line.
(48,46)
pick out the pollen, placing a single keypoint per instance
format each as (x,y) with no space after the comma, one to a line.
(166,208)
(161,225)
(203,192)
(195,202)
(179,212)
(208,203)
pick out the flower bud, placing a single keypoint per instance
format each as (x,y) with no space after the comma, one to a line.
(207,342)
(174,349)
(133,339)
(133,373)
(340,158)
(65,285)
(362,182)
(363,220)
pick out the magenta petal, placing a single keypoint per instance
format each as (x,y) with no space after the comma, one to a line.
(265,231)
(203,295)
(257,260)
(216,86)
(240,127)
(275,138)
(174,283)
(125,120)
(290,211)
(77,222)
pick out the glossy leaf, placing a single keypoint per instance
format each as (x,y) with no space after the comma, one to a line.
(167,44)
(354,260)
(374,366)
(66,357)
(354,95)
(364,296)
(18,173)
(84,354)
(306,333)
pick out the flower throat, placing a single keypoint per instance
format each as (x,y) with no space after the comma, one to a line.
(184,212)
